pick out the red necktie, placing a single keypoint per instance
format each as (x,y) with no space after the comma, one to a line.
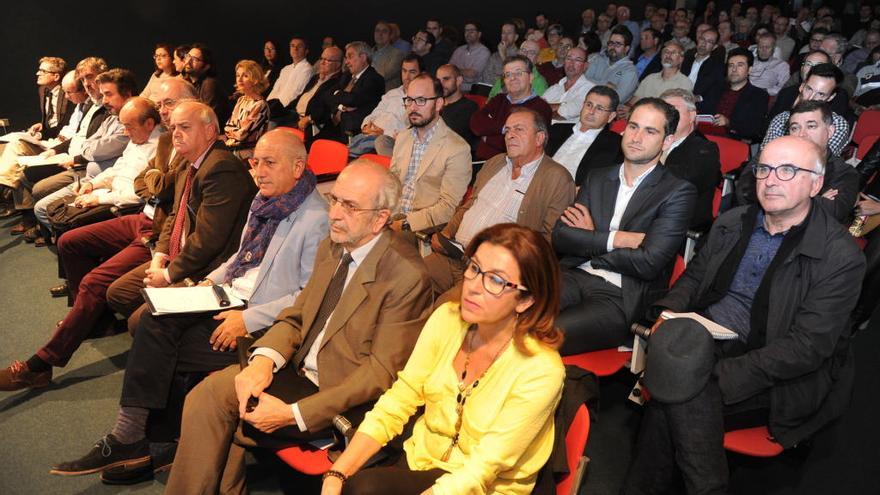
(180,218)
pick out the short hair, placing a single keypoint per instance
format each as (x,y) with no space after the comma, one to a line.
(362,48)
(435,83)
(520,58)
(625,32)
(813,106)
(817,52)
(181,50)
(57,65)
(170,51)
(654,33)
(255,70)
(668,111)
(741,52)
(538,272)
(94,65)
(146,109)
(827,70)
(713,30)
(602,90)
(819,30)
(537,119)
(122,78)
(188,91)
(414,57)
(592,42)
(675,43)
(686,95)
(840,40)
(768,34)
(557,28)
(429,37)
(456,72)
(475,23)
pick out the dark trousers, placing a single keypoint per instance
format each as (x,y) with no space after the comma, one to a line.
(398,479)
(591,315)
(94,257)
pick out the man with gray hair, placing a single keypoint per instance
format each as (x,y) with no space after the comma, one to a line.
(566,97)
(53,105)
(835,45)
(672,55)
(358,92)
(368,287)
(386,57)
(768,72)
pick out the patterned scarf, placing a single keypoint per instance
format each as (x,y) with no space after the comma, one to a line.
(266,214)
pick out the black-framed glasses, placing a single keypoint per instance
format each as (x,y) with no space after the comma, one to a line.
(420,101)
(492,282)
(784,172)
(349,207)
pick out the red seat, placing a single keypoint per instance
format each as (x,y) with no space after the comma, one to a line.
(603,363)
(306,460)
(865,146)
(755,442)
(298,133)
(677,270)
(867,125)
(618,126)
(385,161)
(478,99)
(327,157)
(575,441)
(732,152)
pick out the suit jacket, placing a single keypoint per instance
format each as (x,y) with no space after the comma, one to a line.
(654,66)
(63,109)
(218,203)
(697,161)
(287,264)
(364,96)
(316,108)
(747,119)
(549,193)
(660,208)
(159,186)
(711,80)
(604,151)
(211,93)
(371,332)
(442,176)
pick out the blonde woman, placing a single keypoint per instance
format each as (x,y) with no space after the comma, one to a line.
(251,113)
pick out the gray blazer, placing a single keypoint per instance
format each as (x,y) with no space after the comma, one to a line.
(287,265)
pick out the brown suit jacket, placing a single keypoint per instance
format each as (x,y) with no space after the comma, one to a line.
(159,185)
(221,194)
(441,179)
(549,194)
(370,334)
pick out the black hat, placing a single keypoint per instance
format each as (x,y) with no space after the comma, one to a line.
(681,355)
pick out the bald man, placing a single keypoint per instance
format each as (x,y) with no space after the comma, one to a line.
(286,222)
(784,277)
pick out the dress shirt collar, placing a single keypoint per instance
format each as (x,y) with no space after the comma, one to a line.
(638,180)
(359,254)
(526,171)
(520,102)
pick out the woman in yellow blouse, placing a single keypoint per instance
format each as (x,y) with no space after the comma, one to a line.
(488,374)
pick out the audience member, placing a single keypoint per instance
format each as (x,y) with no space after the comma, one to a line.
(554,70)
(784,42)
(472,57)
(164,69)
(616,264)
(250,117)
(304,371)
(768,72)
(613,68)
(396,41)
(648,62)
(554,34)
(200,71)
(271,63)
(179,59)
(355,96)
(386,58)
(835,45)
(680,31)
(311,111)
(742,106)
(603,29)
(507,48)
(444,46)
(54,109)
(292,79)
(457,110)
(668,78)
(529,49)
(566,97)
(423,44)
(839,103)
(704,66)
(856,59)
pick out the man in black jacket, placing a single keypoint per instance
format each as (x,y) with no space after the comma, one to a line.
(705,68)
(357,94)
(742,106)
(784,277)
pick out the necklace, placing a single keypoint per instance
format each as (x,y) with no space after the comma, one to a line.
(465,391)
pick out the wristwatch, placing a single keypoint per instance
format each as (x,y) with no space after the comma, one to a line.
(405,226)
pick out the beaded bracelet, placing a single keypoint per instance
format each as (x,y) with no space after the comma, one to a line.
(336,474)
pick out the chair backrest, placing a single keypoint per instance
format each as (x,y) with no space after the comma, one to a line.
(575,442)
(618,126)
(867,125)
(480,100)
(677,270)
(732,152)
(865,145)
(327,157)
(298,133)
(385,161)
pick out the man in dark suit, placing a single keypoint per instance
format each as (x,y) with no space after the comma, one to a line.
(620,237)
(692,157)
(332,353)
(704,66)
(357,94)
(588,144)
(309,111)
(54,109)
(648,60)
(211,198)
(742,106)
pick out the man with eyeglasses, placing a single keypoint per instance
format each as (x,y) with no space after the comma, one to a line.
(619,238)
(554,70)
(589,143)
(566,97)
(821,85)
(424,45)
(310,111)
(292,79)
(784,277)
(704,66)
(199,70)
(813,120)
(332,353)
(287,221)
(613,68)
(432,162)
(530,50)
(53,105)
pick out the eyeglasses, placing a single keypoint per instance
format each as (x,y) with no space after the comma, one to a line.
(167,103)
(616,43)
(161,55)
(347,206)
(599,108)
(575,59)
(44,71)
(784,172)
(807,63)
(492,282)
(422,40)
(420,101)
(515,73)
(193,57)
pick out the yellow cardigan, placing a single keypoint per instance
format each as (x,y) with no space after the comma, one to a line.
(507,429)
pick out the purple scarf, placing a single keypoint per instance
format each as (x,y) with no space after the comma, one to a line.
(266,214)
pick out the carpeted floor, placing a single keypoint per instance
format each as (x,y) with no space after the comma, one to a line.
(62,421)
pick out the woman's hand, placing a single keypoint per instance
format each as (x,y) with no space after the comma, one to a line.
(331,486)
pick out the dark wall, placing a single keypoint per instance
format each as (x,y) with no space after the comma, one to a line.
(124,32)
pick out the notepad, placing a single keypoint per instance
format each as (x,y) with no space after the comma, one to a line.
(718,332)
(175,300)
(37,160)
(26,137)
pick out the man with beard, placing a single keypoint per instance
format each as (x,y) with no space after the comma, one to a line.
(668,78)
(457,110)
(199,70)
(613,68)
(431,160)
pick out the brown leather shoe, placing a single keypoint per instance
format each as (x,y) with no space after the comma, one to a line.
(18,376)
(31,235)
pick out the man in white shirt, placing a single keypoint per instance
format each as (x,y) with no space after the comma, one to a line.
(566,97)
(591,135)
(292,79)
(768,72)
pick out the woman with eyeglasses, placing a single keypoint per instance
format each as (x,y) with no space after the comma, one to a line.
(487,373)
(162,57)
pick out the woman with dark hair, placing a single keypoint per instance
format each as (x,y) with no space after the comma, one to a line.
(487,373)
(164,69)
(180,58)
(271,62)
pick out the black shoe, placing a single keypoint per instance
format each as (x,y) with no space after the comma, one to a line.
(59,290)
(31,235)
(163,457)
(107,453)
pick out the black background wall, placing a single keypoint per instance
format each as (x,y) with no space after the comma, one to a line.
(124,32)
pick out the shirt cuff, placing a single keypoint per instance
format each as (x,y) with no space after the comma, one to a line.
(610,244)
(272,354)
(298,417)
(165,274)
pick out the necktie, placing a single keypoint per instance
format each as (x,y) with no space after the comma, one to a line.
(180,219)
(328,304)
(351,84)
